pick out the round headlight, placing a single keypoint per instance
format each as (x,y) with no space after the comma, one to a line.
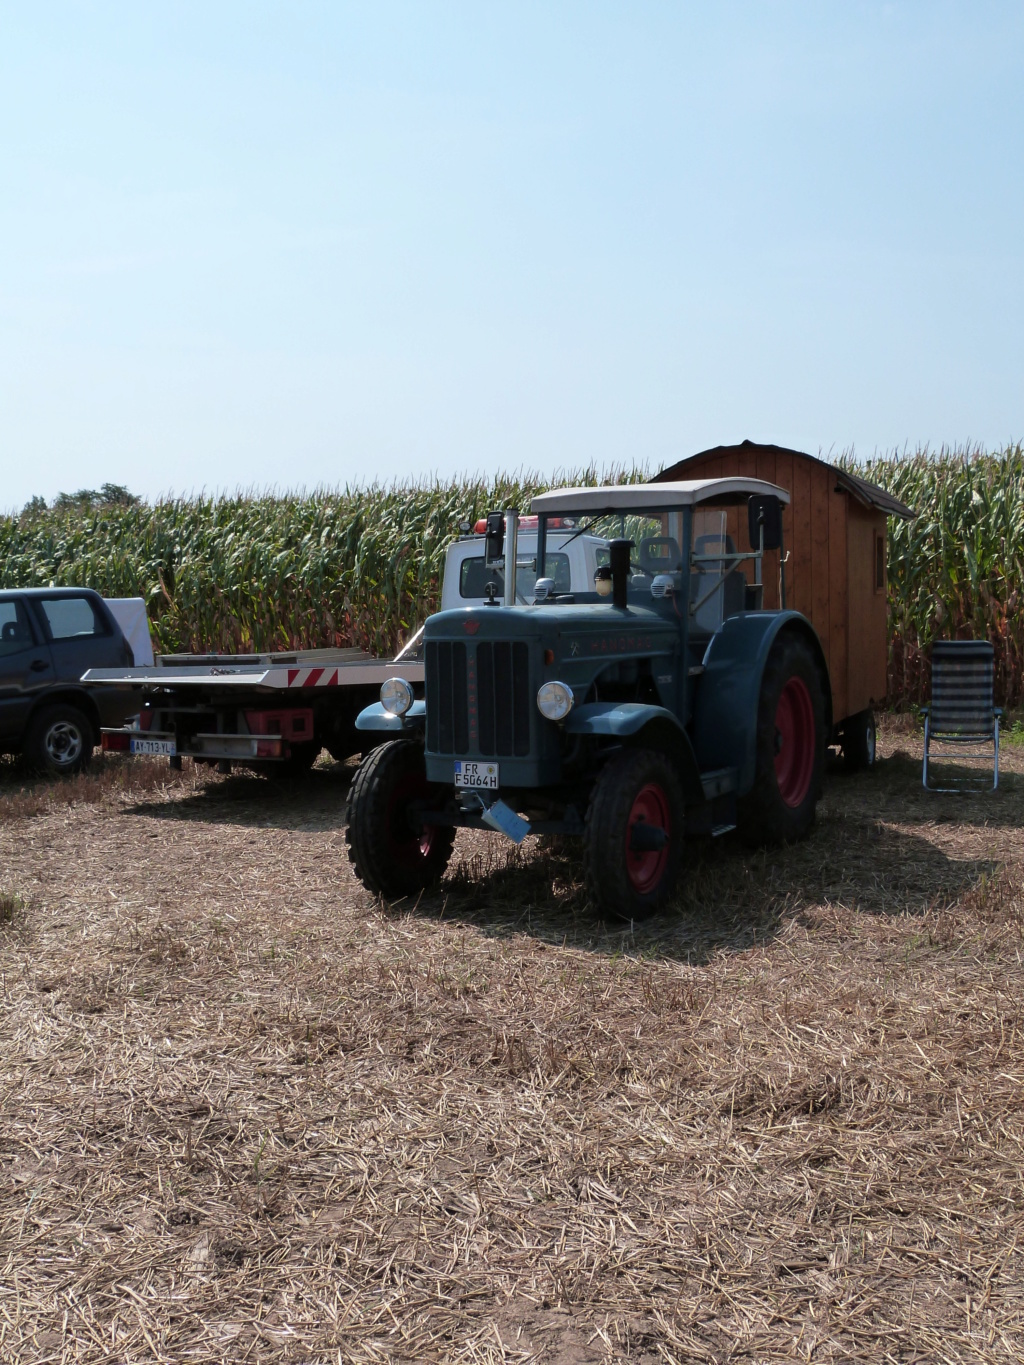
(396,696)
(554,700)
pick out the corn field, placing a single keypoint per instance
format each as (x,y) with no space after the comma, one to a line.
(362,566)
(957,569)
(258,572)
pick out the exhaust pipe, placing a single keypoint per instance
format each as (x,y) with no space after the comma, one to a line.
(511,555)
(618,554)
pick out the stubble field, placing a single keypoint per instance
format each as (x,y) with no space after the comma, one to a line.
(248,1114)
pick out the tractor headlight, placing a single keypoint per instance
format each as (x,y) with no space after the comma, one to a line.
(554,700)
(396,696)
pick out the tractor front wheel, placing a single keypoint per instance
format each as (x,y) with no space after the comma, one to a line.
(634,835)
(790,746)
(393,852)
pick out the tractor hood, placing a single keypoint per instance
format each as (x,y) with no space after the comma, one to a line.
(588,630)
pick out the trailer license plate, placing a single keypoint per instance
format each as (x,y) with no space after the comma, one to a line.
(154,746)
(469,773)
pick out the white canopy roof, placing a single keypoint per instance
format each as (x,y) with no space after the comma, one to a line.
(634,496)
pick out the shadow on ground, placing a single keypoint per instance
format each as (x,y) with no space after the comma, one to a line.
(896,790)
(315,801)
(861,856)
(731,898)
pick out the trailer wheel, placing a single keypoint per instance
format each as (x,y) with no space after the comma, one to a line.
(859,741)
(299,763)
(790,747)
(393,854)
(634,835)
(59,741)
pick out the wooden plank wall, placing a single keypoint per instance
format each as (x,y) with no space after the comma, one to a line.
(867,607)
(799,539)
(830,571)
(814,528)
(838,650)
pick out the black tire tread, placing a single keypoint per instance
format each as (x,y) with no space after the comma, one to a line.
(856,753)
(762,816)
(604,866)
(32,748)
(367,813)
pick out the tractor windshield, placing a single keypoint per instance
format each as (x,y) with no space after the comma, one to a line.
(657,537)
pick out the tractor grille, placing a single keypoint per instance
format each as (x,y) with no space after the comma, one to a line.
(478,698)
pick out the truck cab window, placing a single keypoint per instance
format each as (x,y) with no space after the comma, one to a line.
(15,631)
(71,618)
(474,576)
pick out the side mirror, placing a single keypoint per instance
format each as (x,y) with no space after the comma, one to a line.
(764,510)
(494,537)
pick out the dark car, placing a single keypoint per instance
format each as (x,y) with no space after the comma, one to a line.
(48,638)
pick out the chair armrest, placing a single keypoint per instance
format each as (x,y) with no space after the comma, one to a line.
(924,710)
(997,710)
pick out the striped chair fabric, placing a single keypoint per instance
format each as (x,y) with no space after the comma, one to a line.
(961,710)
(962,689)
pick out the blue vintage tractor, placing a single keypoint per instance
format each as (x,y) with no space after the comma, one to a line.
(661,703)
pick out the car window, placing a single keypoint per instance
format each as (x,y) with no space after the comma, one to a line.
(474,575)
(15,631)
(71,618)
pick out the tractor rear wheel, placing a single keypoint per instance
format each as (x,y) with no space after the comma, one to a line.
(790,746)
(393,853)
(634,835)
(859,742)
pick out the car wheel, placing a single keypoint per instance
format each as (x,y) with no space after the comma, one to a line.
(59,740)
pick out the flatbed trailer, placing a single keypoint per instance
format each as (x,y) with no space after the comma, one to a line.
(278,711)
(265,710)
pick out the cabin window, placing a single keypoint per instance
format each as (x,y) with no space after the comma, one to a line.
(879,561)
(718,588)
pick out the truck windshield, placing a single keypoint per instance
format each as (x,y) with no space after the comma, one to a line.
(475,575)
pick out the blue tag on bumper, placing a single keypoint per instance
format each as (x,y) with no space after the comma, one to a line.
(504,819)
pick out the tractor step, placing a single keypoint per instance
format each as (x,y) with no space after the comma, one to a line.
(716,830)
(719,782)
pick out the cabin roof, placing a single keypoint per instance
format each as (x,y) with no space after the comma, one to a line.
(661,493)
(867,493)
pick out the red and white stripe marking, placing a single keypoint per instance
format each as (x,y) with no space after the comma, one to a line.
(312,677)
(371,672)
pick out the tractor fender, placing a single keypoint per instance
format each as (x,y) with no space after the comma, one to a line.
(641,725)
(727,693)
(376,718)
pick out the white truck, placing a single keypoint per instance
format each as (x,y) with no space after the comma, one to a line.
(276,712)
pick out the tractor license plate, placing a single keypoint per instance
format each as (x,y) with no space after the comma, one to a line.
(154,746)
(469,773)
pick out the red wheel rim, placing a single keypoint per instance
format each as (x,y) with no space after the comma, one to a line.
(794,742)
(409,842)
(645,868)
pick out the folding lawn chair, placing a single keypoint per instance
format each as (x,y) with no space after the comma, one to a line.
(961,712)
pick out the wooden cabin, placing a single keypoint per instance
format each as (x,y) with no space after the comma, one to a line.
(835,540)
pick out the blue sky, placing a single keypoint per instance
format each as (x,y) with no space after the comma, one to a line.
(250,244)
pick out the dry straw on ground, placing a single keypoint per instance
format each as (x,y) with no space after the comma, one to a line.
(247,1114)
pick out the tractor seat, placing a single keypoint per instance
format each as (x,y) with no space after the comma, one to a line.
(732,597)
(707,545)
(658,554)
